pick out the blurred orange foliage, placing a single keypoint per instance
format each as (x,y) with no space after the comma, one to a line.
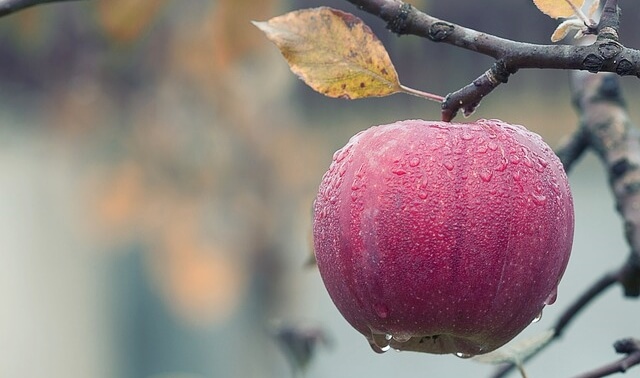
(124,21)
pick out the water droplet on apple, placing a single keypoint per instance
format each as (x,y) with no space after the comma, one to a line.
(422,195)
(466,135)
(463,355)
(379,342)
(342,153)
(538,199)
(414,161)
(378,349)
(543,162)
(537,318)
(401,337)
(502,166)
(551,299)
(527,162)
(381,310)
(399,171)
(448,165)
(486,175)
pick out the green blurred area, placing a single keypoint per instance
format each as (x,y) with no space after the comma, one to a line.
(158,163)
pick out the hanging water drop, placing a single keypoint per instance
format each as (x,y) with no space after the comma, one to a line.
(380,342)
(537,318)
(551,299)
(378,349)
(463,355)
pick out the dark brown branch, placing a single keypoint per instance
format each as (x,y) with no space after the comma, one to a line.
(610,21)
(605,55)
(8,7)
(630,347)
(469,97)
(617,143)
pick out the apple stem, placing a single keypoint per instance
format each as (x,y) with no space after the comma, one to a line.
(417,93)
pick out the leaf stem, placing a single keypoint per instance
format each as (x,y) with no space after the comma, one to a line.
(587,21)
(417,93)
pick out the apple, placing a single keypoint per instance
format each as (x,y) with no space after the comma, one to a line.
(443,237)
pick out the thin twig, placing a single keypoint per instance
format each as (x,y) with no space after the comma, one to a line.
(630,347)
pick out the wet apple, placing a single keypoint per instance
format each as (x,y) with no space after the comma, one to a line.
(442,237)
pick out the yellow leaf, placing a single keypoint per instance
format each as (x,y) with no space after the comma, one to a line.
(565,28)
(558,8)
(334,52)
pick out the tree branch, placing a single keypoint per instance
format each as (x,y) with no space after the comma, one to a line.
(614,139)
(8,7)
(630,347)
(604,55)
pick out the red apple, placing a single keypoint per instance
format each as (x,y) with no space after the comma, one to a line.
(442,237)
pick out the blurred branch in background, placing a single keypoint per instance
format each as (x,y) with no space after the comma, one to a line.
(8,7)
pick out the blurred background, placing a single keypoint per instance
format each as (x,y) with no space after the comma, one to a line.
(158,162)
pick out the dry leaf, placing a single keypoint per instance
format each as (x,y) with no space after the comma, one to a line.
(334,52)
(558,8)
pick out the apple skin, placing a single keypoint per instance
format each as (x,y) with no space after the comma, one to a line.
(442,237)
